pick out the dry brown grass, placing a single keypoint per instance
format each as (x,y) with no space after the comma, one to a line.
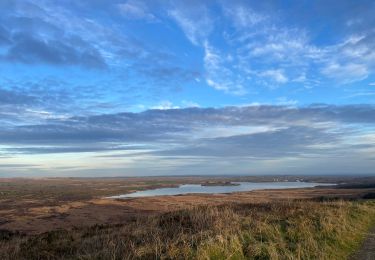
(282,230)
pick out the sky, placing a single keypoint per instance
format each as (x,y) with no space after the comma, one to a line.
(132,88)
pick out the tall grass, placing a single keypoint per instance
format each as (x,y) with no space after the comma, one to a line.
(282,230)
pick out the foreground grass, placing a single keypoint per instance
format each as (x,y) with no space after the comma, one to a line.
(283,230)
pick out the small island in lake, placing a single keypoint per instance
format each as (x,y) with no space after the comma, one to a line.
(219,183)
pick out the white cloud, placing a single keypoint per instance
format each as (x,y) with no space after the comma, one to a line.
(284,101)
(195,22)
(361,94)
(242,16)
(276,75)
(264,52)
(136,10)
(228,131)
(164,105)
(351,60)
(346,73)
(224,134)
(219,73)
(260,43)
(188,103)
(301,78)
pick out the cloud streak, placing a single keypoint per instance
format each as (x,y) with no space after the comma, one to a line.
(176,126)
(196,138)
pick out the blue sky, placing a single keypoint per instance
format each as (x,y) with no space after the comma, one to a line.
(108,88)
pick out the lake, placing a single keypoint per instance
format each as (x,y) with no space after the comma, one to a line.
(197,188)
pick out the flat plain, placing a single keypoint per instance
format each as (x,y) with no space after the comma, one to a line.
(79,210)
(39,205)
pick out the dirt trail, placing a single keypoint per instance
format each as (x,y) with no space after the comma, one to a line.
(367,250)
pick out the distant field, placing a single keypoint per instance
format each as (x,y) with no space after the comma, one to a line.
(71,218)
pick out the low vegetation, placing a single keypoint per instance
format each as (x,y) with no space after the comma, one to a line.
(282,230)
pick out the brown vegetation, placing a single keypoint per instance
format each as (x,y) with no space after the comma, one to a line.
(40,205)
(71,218)
(282,230)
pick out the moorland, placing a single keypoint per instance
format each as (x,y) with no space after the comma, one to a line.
(59,218)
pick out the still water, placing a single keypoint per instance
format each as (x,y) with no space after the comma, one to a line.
(197,188)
